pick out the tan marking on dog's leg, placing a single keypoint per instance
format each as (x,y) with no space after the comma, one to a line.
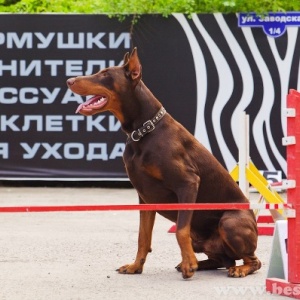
(147,219)
(251,264)
(189,263)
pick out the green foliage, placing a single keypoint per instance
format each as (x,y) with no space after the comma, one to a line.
(43,6)
(164,7)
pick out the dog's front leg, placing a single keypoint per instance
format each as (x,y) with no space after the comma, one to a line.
(147,219)
(189,263)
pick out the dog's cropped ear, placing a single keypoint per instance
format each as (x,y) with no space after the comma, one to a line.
(134,67)
(126,59)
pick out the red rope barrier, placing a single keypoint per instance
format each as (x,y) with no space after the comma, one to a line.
(153,207)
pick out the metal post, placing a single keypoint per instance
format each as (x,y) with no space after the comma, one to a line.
(244,153)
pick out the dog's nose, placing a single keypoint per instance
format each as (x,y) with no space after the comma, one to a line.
(70,81)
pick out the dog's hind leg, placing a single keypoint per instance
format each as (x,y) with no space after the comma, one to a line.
(208,264)
(251,264)
(238,232)
(213,264)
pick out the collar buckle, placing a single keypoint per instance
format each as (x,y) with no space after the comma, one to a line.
(149,126)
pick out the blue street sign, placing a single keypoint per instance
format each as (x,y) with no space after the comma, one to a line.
(273,24)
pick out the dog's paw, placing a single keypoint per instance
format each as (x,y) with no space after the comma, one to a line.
(244,270)
(130,269)
(178,268)
(187,270)
(236,272)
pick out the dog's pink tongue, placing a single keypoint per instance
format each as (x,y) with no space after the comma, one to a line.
(79,108)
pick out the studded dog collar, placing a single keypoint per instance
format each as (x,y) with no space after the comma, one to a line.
(147,127)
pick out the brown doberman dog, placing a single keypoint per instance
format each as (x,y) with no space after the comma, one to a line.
(166,164)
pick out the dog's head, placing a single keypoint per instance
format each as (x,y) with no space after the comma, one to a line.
(107,86)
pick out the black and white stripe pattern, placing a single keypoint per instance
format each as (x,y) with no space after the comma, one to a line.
(241,69)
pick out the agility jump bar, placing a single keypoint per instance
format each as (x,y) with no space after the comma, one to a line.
(145,207)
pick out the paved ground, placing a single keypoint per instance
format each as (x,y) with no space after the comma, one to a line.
(74,255)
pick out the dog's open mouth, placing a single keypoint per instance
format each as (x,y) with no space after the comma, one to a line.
(94,103)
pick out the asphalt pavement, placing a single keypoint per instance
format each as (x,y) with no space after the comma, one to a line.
(74,255)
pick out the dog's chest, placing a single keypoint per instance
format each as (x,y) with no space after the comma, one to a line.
(145,174)
(141,165)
